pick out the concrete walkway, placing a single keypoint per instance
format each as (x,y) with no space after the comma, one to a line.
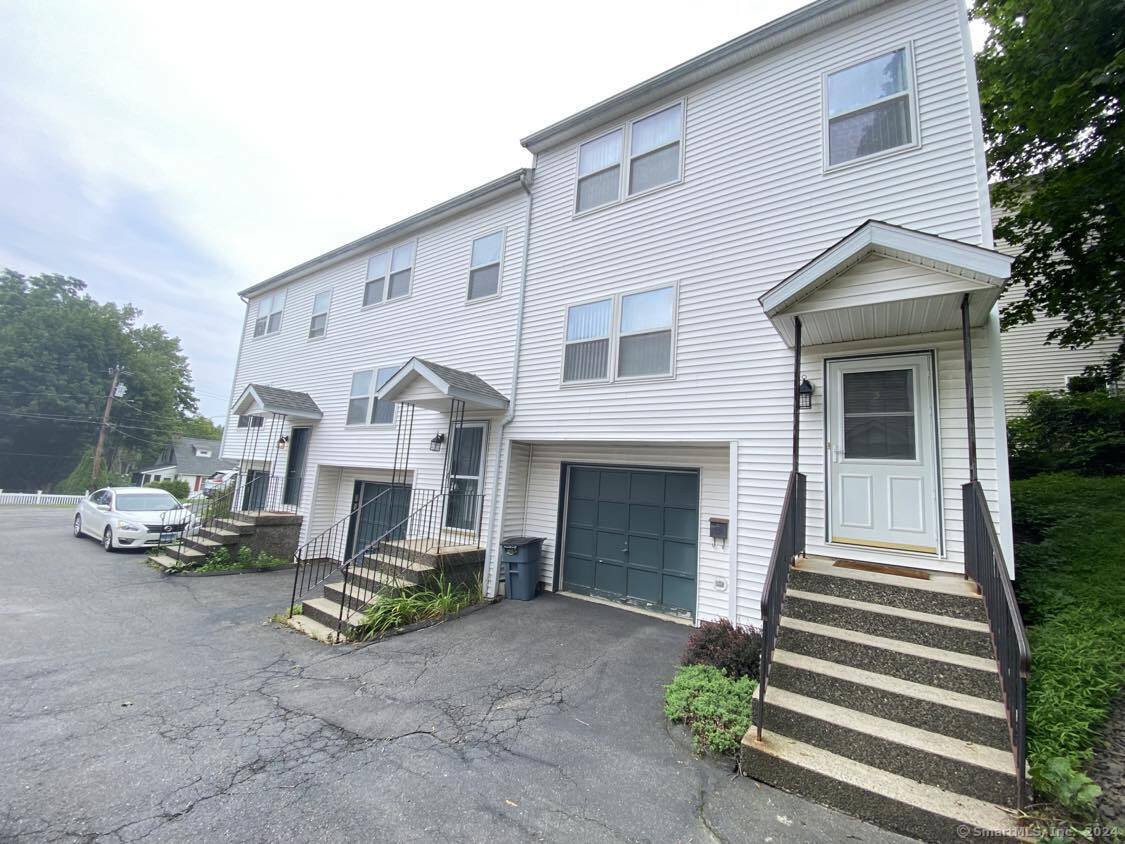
(140,706)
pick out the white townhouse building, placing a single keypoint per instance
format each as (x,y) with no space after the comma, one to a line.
(735,328)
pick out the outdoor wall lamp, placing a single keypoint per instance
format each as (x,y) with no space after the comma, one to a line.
(437,442)
(282,442)
(804,393)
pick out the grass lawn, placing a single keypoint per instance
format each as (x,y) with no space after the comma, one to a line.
(1070,580)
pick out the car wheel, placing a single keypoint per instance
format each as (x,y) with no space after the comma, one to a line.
(107,540)
(77,527)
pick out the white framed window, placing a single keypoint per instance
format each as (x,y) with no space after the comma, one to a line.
(642,155)
(654,149)
(363,407)
(389,274)
(622,337)
(869,108)
(586,355)
(644,333)
(484,266)
(318,322)
(249,421)
(269,314)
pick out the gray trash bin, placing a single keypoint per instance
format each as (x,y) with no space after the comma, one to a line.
(521,553)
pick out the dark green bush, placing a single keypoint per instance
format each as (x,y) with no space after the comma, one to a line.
(735,650)
(1070,582)
(715,707)
(1081,430)
(179,489)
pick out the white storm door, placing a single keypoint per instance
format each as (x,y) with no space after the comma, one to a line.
(882,453)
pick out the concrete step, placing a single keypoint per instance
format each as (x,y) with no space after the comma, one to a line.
(185,553)
(430,551)
(314,629)
(327,612)
(916,809)
(931,592)
(958,672)
(359,593)
(375,580)
(920,755)
(235,525)
(405,568)
(202,543)
(220,535)
(927,707)
(164,561)
(908,625)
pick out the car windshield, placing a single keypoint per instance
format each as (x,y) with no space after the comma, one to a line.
(135,501)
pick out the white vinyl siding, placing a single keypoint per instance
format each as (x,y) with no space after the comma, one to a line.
(484,265)
(389,274)
(869,108)
(318,322)
(363,407)
(269,314)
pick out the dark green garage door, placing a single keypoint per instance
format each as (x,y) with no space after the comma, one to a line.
(631,534)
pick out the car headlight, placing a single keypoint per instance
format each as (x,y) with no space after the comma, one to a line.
(124,525)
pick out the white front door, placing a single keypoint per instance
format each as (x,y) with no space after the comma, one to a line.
(882,453)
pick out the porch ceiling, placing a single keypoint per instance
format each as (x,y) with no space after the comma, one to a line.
(432,386)
(886,281)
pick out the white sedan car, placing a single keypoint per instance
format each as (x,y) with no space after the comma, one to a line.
(131,517)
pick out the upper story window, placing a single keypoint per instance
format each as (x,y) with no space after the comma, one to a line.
(638,344)
(318,322)
(869,108)
(484,266)
(388,274)
(363,407)
(654,145)
(586,357)
(269,314)
(249,421)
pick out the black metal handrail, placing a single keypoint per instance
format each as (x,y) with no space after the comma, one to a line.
(984,563)
(320,557)
(788,543)
(442,520)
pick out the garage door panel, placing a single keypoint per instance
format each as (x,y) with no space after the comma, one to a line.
(610,578)
(614,486)
(682,490)
(646,487)
(632,535)
(681,523)
(613,515)
(581,512)
(645,552)
(584,483)
(679,557)
(644,518)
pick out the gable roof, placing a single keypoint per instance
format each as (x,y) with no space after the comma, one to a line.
(261,398)
(450,382)
(770,36)
(187,461)
(878,238)
(462,202)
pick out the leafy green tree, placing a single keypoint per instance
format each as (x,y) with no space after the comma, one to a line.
(57,345)
(201,427)
(1052,78)
(1081,430)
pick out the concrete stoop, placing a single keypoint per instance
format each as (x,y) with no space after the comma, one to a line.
(414,561)
(884,702)
(275,533)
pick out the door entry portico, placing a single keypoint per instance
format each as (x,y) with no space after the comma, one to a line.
(882,453)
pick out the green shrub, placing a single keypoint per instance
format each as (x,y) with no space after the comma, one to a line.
(435,599)
(179,489)
(1069,567)
(736,650)
(1081,430)
(715,707)
(220,560)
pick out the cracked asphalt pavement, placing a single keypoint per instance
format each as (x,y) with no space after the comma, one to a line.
(142,707)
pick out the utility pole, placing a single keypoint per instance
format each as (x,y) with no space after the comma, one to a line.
(116,372)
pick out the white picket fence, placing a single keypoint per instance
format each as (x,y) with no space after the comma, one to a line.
(39,497)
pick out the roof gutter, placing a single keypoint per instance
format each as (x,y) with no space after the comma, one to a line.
(457,204)
(491,557)
(768,37)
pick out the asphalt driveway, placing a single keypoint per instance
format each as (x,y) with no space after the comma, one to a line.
(141,706)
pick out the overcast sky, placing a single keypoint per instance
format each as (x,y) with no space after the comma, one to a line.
(170,154)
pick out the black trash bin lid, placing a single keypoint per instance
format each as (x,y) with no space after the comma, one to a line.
(520,541)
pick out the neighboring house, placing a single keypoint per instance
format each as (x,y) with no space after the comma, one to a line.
(605,351)
(1030,362)
(186,459)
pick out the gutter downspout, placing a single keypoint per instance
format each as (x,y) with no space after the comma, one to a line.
(493,578)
